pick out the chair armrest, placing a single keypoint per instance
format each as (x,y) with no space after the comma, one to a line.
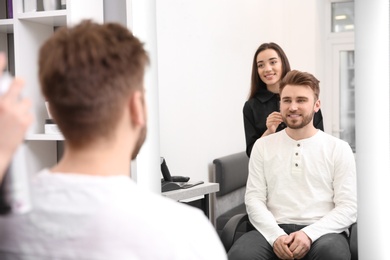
(353,241)
(229,231)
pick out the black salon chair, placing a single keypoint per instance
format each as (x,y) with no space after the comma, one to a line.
(230,233)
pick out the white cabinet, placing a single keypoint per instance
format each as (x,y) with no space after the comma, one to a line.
(21,37)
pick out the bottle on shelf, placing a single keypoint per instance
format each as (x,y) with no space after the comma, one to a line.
(10,12)
(63,4)
(29,6)
(50,5)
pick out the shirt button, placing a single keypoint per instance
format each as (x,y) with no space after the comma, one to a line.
(298,145)
(296,154)
(296,165)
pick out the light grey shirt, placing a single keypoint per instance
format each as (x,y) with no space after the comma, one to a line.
(77,216)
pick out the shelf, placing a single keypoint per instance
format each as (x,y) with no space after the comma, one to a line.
(44,137)
(6,25)
(54,18)
(29,30)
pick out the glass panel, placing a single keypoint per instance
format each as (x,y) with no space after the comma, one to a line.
(347,97)
(343,16)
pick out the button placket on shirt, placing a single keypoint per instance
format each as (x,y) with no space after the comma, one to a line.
(297,159)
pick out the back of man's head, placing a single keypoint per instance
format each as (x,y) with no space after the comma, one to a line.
(86,73)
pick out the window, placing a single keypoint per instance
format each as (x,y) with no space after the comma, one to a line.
(347,97)
(343,16)
(340,70)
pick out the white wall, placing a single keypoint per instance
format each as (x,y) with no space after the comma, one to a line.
(205,51)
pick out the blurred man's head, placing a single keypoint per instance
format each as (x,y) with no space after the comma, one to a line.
(87,74)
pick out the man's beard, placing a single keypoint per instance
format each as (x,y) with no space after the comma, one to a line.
(139,143)
(306,119)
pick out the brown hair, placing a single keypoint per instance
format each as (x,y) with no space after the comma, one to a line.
(299,78)
(256,82)
(86,73)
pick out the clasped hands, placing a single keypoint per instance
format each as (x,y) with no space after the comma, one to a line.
(293,246)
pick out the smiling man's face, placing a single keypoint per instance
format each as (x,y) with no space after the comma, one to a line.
(298,106)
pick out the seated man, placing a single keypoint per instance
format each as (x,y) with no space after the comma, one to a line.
(86,206)
(301,189)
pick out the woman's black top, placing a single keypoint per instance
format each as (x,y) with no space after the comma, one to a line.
(256,111)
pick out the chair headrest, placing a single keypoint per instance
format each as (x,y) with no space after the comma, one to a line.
(231,172)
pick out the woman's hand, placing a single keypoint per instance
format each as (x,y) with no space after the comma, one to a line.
(273,121)
(15,118)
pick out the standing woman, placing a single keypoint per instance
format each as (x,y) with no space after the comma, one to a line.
(261,110)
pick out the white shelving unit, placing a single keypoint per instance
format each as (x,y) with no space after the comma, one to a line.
(21,37)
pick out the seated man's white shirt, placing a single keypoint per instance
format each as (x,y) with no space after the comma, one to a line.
(307,182)
(77,216)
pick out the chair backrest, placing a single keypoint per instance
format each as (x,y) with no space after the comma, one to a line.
(231,172)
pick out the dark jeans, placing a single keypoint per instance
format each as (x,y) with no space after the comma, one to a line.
(253,246)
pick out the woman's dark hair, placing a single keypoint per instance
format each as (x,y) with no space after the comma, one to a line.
(256,82)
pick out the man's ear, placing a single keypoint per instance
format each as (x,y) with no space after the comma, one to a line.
(138,108)
(317,105)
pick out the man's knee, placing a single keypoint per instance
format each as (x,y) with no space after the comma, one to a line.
(330,246)
(251,245)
